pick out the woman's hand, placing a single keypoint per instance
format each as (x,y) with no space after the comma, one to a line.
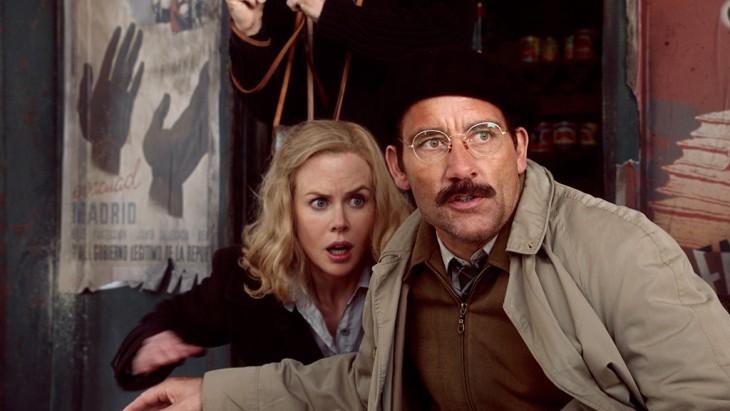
(160,350)
(247,15)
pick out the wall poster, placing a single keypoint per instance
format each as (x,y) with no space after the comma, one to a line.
(140,154)
(686,132)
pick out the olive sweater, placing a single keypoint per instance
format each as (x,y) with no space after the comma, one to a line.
(464,353)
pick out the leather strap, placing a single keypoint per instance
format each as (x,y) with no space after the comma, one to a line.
(285,83)
(310,69)
(289,49)
(343,81)
(298,25)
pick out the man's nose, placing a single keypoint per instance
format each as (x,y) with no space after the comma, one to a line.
(460,163)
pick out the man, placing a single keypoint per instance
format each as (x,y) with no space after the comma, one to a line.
(580,304)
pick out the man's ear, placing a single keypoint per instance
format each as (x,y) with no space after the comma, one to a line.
(394,166)
(522,137)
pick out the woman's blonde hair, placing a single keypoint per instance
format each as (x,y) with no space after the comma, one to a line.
(271,251)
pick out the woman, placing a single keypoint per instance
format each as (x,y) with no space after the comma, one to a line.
(295,289)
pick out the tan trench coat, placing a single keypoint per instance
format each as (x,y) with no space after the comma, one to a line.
(605,300)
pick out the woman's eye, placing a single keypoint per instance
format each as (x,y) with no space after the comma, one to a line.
(357,201)
(319,203)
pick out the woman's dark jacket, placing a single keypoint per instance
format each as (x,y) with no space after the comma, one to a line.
(216,312)
(379,33)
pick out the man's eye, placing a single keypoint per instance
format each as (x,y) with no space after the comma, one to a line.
(431,141)
(482,133)
(483,136)
(434,143)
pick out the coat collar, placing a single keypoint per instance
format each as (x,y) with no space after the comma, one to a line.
(531,217)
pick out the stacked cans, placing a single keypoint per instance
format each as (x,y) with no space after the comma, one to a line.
(580,45)
(563,135)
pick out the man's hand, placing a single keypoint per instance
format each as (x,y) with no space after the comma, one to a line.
(105,112)
(247,15)
(310,8)
(160,350)
(173,394)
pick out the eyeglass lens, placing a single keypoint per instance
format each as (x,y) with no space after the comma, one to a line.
(482,139)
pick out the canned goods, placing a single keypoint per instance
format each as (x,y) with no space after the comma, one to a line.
(541,139)
(530,49)
(583,47)
(568,48)
(564,135)
(550,49)
(587,134)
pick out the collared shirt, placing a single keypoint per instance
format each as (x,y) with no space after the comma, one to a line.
(349,329)
(447,256)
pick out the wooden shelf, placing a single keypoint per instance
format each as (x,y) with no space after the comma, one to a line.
(579,167)
(565,89)
(563,76)
(570,105)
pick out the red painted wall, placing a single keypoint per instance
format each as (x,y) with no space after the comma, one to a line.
(685,100)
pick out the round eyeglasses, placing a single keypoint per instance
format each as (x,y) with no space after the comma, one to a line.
(481,140)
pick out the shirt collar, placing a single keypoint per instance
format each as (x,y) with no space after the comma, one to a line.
(302,299)
(447,255)
(426,247)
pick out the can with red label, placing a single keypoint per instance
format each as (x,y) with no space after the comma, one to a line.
(583,44)
(550,49)
(564,135)
(587,134)
(530,49)
(568,44)
(541,139)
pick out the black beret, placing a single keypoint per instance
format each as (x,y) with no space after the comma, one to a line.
(453,71)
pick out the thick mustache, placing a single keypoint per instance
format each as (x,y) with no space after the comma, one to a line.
(464,187)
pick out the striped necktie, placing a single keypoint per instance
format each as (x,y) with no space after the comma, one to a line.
(464,272)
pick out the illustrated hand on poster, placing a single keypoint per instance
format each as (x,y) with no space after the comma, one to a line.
(174,153)
(105,112)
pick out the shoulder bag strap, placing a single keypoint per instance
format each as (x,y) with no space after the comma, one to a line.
(343,81)
(288,47)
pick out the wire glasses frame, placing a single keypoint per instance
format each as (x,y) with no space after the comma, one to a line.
(481,140)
